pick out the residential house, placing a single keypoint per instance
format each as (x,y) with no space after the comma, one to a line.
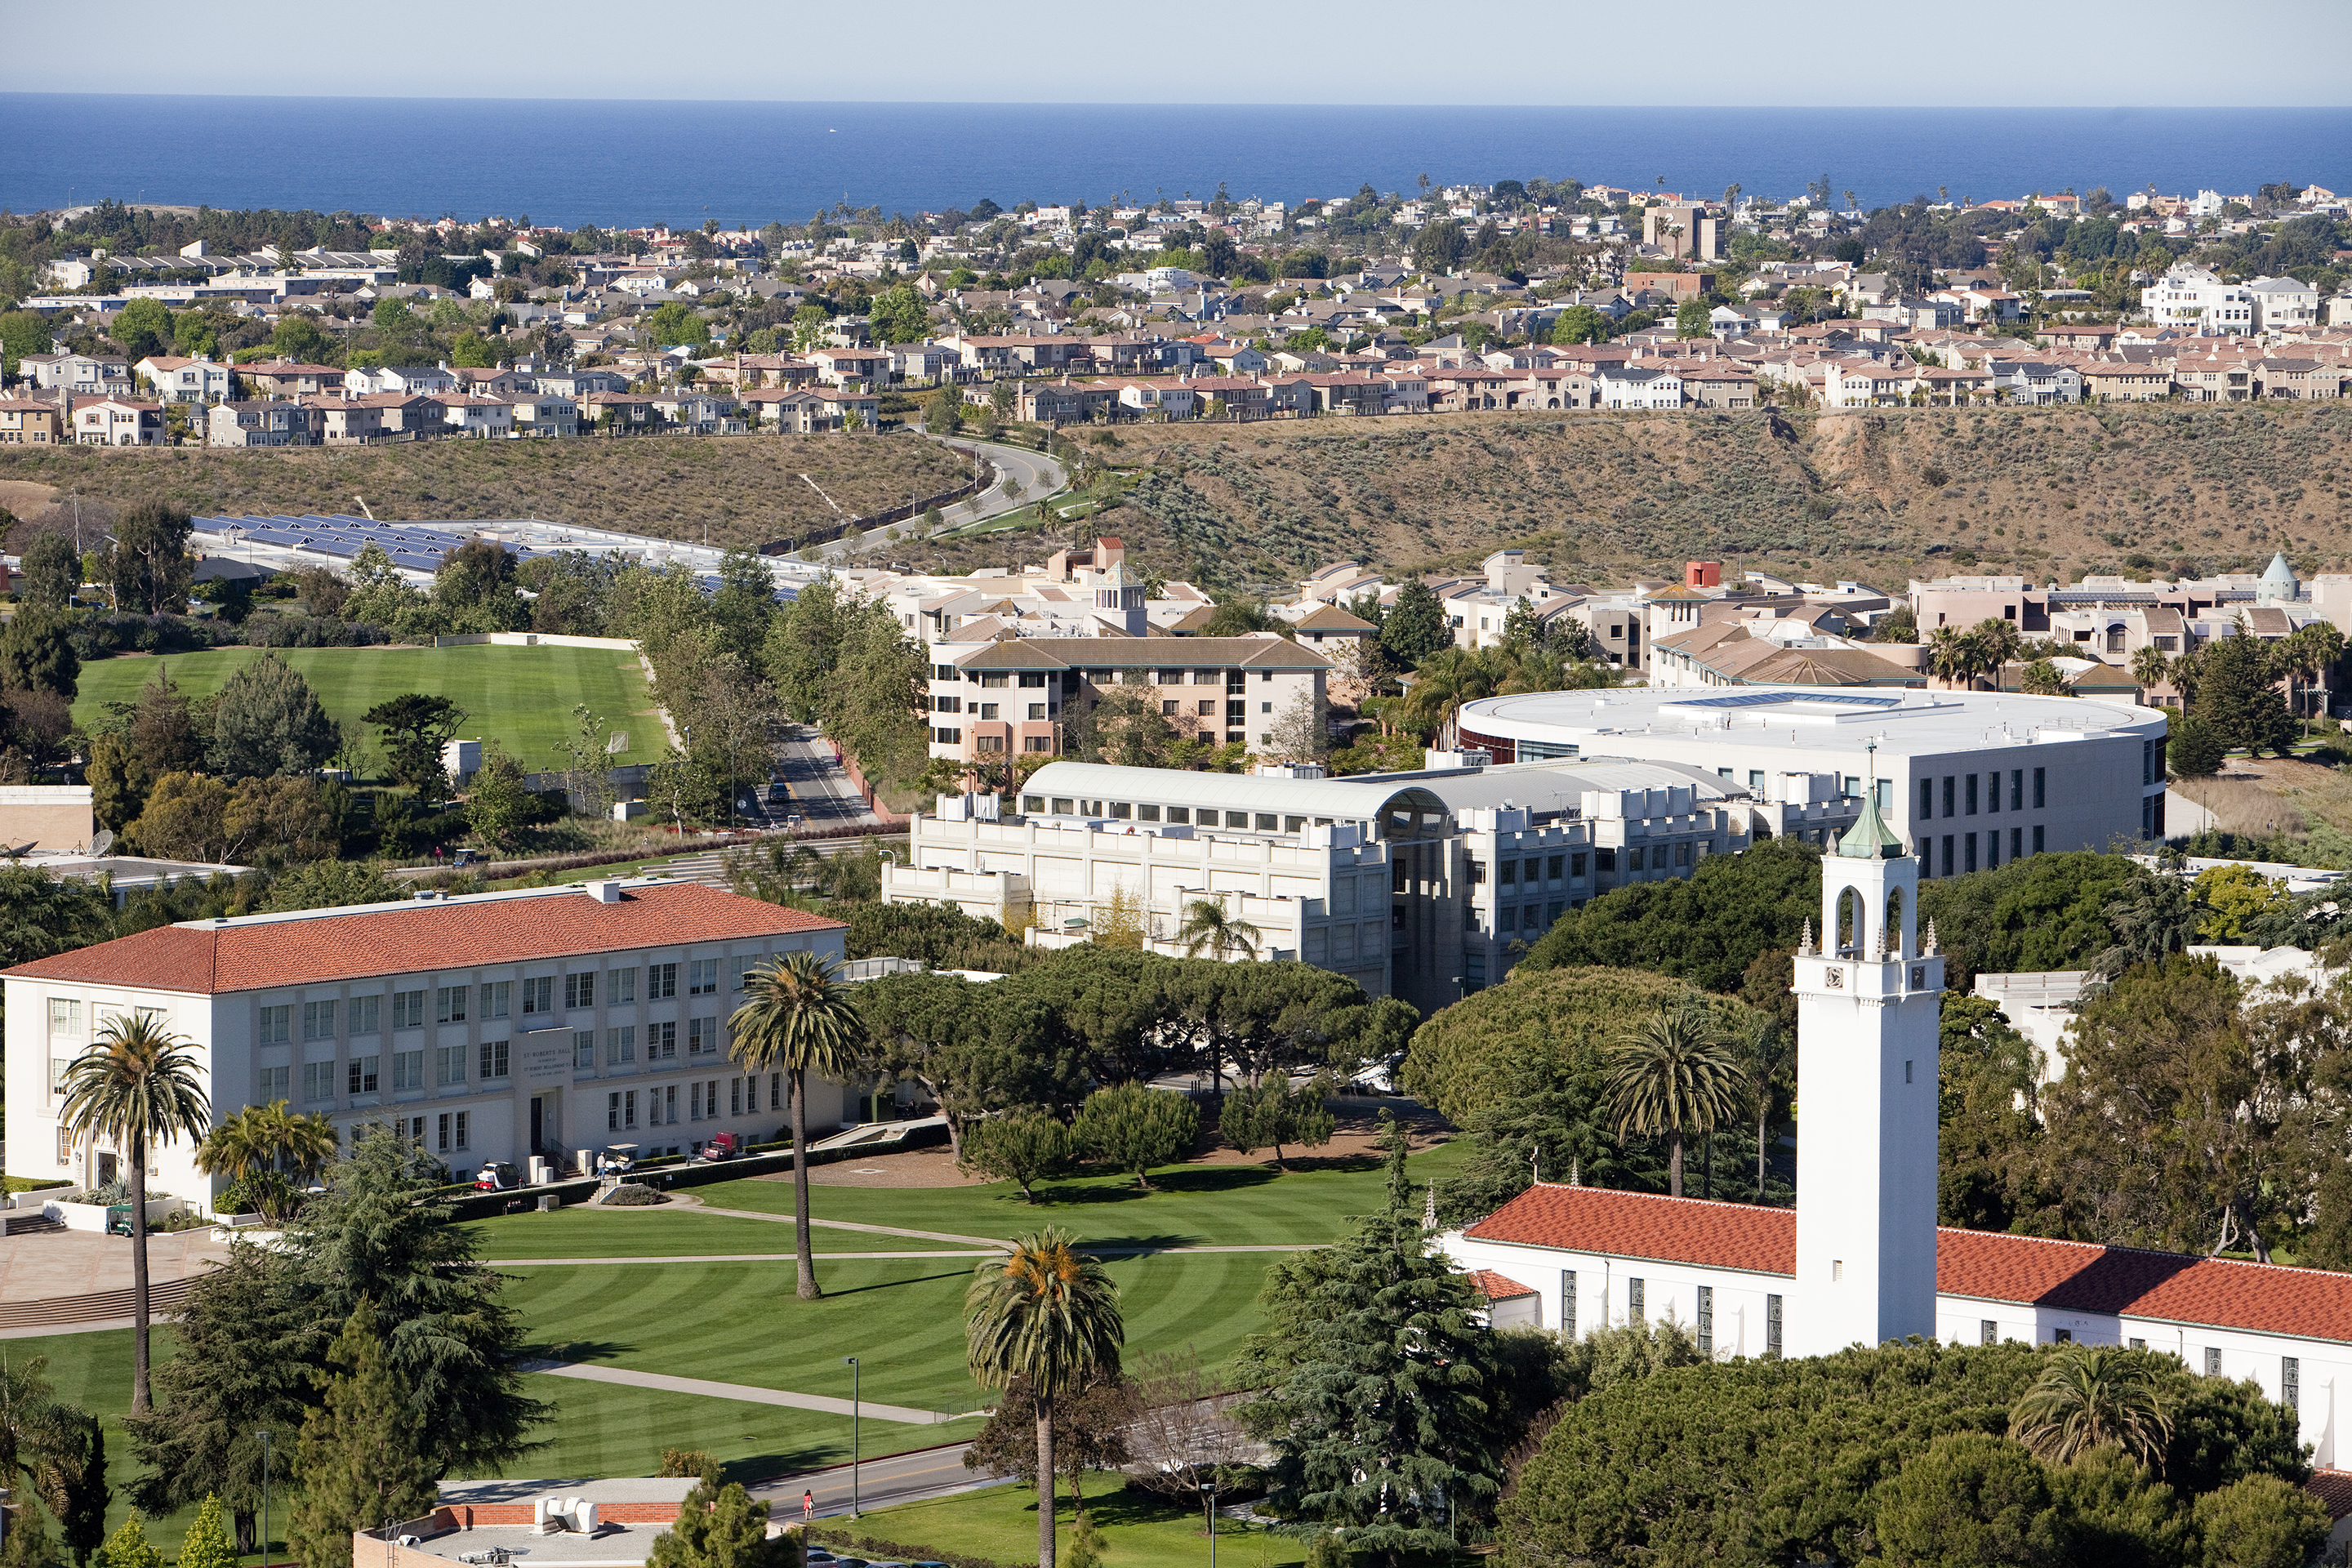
(347,422)
(578,384)
(2091,336)
(408,415)
(1236,397)
(491,381)
(2193,298)
(2301,378)
(544,414)
(264,422)
(426,379)
(698,411)
(2123,381)
(618,411)
(282,378)
(851,366)
(859,410)
(99,374)
(2283,305)
(117,422)
(467,414)
(1638,386)
(2036,381)
(27,423)
(1718,385)
(178,380)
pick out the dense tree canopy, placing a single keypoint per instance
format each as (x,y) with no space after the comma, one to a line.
(1706,928)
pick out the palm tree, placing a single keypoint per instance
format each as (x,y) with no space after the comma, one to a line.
(1049,1317)
(1763,1052)
(1672,1076)
(2148,667)
(1207,928)
(2087,1399)
(799,1020)
(264,1146)
(1998,640)
(136,1086)
(1949,654)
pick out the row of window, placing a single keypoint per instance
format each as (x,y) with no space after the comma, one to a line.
(1180,815)
(363,1074)
(1961,792)
(660,1103)
(1637,1310)
(2290,1367)
(488,1002)
(1966,859)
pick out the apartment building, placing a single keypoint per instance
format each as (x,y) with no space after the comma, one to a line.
(488,1028)
(2193,300)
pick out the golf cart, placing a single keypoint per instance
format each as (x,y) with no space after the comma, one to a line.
(617,1160)
(496,1177)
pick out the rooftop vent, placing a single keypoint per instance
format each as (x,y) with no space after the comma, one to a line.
(606,889)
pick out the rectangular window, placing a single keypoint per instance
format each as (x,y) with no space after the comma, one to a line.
(273,1082)
(65,1017)
(1968,849)
(1992,791)
(407,1069)
(1972,794)
(1926,799)
(701,1036)
(1576,866)
(58,1067)
(539,996)
(1772,1325)
(629,1109)
(1706,1320)
(2061,1336)
(612,1111)
(449,1004)
(318,1082)
(2137,1344)
(1951,786)
(2213,1362)
(583,1050)
(497,999)
(2017,789)
(661,982)
(2037,839)
(694,1095)
(318,1020)
(661,1042)
(1635,1295)
(1681,853)
(1568,1303)
(359,1074)
(1507,874)
(667,1110)
(448,1065)
(1551,867)
(2041,778)
(1266,820)
(1948,854)
(463,1140)
(621,989)
(702,977)
(367,1014)
(775,1091)
(735,1096)
(621,1045)
(441,1132)
(277,1024)
(580,990)
(1987,1332)
(1992,849)
(494,1060)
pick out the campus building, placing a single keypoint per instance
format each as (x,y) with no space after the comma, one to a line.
(1974,779)
(1861,1258)
(1424,884)
(488,1028)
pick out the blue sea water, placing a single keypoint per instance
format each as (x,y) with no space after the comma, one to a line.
(613,162)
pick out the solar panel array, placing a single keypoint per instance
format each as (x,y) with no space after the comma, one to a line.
(416,546)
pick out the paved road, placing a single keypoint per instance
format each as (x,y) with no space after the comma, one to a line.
(1038,475)
(900,1478)
(821,791)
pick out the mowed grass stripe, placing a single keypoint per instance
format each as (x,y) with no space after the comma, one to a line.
(601,1429)
(664,1232)
(521,698)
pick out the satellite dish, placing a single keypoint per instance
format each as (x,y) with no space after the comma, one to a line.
(103,842)
(616,742)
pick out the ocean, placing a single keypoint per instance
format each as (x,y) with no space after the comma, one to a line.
(633,163)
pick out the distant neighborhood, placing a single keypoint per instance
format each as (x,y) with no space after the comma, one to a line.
(1520,295)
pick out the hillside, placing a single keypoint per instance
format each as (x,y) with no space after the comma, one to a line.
(745,489)
(1877,495)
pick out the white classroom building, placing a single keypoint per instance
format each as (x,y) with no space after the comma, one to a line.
(492,1026)
(1861,1258)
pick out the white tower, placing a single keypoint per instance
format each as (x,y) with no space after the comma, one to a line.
(1867,1011)
(1120,602)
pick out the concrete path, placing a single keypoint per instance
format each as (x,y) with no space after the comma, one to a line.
(898,1477)
(743,1391)
(991,1243)
(45,1265)
(833,1257)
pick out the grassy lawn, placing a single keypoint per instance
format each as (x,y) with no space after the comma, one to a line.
(1229,1206)
(1139,1530)
(667,1231)
(521,697)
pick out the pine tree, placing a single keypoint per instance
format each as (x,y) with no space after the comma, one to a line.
(361,1455)
(721,1527)
(30,1544)
(2236,698)
(130,1548)
(86,1495)
(1384,1424)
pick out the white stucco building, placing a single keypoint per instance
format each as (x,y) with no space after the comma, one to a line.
(2190,298)
(487,1027)
(1860,1259)
(1975,779)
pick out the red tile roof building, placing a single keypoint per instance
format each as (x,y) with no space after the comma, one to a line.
(488,1028)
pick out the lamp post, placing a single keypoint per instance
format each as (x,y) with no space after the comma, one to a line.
(265,1498)
(855,1446)
(1209,1494)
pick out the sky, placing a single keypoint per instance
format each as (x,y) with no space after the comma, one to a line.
(1842,53)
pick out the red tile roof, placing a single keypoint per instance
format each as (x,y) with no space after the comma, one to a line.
(1497,1286)
(2333,1489)
(2076,1276)
(210,957)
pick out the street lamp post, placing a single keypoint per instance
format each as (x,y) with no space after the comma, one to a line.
(265,1498)
(855,1447)
(1209,1491)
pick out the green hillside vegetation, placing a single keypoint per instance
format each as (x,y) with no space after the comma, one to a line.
(521,698)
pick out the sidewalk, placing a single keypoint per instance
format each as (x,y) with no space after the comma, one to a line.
(743,1391)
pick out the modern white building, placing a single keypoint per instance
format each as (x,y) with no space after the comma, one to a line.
(487,1027)
(1976,779)
(2283,305)
(2193,300)
(1860,1259)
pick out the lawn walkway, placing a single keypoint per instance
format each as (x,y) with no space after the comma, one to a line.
(835,1257)
(744,1392)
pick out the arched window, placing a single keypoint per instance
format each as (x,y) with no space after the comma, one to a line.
(1852,919)
(1893,926)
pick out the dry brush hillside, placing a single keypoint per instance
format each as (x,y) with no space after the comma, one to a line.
(744,489)
(1877,495)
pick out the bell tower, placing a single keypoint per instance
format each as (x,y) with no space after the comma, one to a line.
(1869,995)
(1120,602)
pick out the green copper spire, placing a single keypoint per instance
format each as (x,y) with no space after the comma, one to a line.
(1870,838)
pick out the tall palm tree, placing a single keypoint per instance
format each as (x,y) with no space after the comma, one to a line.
(1998,640)
(1949,656)
(2149,666)
(1763,1051)
(1208,928)
(1672,1076)
(136,1086)
(2087,1399)
(1050,1318)
(799,1020)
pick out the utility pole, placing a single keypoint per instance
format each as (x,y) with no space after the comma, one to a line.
(265,1498)
(855,1447)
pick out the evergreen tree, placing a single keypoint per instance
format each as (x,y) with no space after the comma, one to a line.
(1131,1127)
(2236,698)
(720,1527)
(1416,627)
(361,1455)
(414,727)
(130,1548)
(1272,1114)
(267,722)
(1386,1422)
(451,1340)
(30,1544)
(207,1545)
(85,1494)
